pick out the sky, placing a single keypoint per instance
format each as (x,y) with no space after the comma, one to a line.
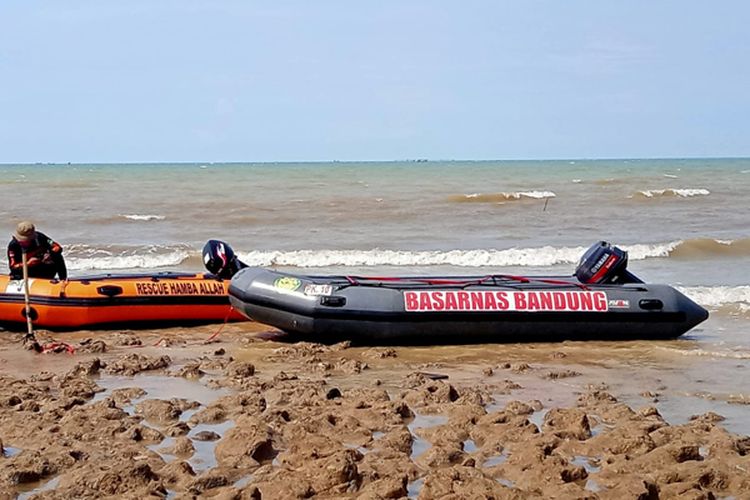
(220,80)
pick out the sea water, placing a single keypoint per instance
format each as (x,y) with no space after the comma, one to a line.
(683,222)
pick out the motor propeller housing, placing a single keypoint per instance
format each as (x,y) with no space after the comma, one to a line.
(604,263)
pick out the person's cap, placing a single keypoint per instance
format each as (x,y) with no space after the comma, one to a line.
(25,231)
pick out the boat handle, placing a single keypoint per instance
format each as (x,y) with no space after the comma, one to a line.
(32,312)
(333,301)
(109,290)
(651,304)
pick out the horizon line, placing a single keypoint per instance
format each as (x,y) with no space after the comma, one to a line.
(406,160)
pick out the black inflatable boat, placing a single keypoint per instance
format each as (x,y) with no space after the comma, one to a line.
(602,300)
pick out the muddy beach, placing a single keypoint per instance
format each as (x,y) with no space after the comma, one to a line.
(166,414)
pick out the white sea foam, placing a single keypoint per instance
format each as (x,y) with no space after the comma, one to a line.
(503,197)
(545,256)
(142,217)
(682,192)
(692,192)
(537,257)
(670,176)
(532,194)
(527,257)
(642,251)
(84,258)
(126,262)
(730,354)
(715,297)
(80,257)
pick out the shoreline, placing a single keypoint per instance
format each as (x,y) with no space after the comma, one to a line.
(248,416)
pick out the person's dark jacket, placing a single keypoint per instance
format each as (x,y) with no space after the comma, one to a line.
(43,255)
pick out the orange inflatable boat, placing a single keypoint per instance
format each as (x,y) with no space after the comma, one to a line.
(111,300)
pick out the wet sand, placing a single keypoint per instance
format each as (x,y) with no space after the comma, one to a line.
(163,413)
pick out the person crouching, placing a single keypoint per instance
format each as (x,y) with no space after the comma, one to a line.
(43,255)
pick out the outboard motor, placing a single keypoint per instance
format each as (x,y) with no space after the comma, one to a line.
(604,264)
(219,259)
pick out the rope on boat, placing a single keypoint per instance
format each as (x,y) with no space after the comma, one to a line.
(494,279)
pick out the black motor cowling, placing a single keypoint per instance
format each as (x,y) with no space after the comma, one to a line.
(604,264)
(219,259)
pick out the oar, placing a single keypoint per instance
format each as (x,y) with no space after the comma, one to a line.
(29,326)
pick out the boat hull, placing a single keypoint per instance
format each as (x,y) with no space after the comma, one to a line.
(466,309)
(135,300)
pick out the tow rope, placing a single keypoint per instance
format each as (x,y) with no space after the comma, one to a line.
(53,346)
(209,339)
(221,327)
(57,346)
(361,280)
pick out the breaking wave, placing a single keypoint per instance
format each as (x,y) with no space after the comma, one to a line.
(544,256)
(732,300)
(85,258)
(705,247)
(699,248)
(671,192)
(121,257)
(527,257)
(142,217)
(501,197)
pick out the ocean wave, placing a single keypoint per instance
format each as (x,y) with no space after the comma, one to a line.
(521,257)
(142,217)
(706,248)
(85,258)
(730,299)
(697,248)
(524,257)
(544,256)
(671,192)
(502,197)
(73,184)
(611,181)
(730,354)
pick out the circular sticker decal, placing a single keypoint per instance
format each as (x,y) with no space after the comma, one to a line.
(287,283)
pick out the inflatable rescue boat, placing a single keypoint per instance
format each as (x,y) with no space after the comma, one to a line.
(112,300)
(602,300)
